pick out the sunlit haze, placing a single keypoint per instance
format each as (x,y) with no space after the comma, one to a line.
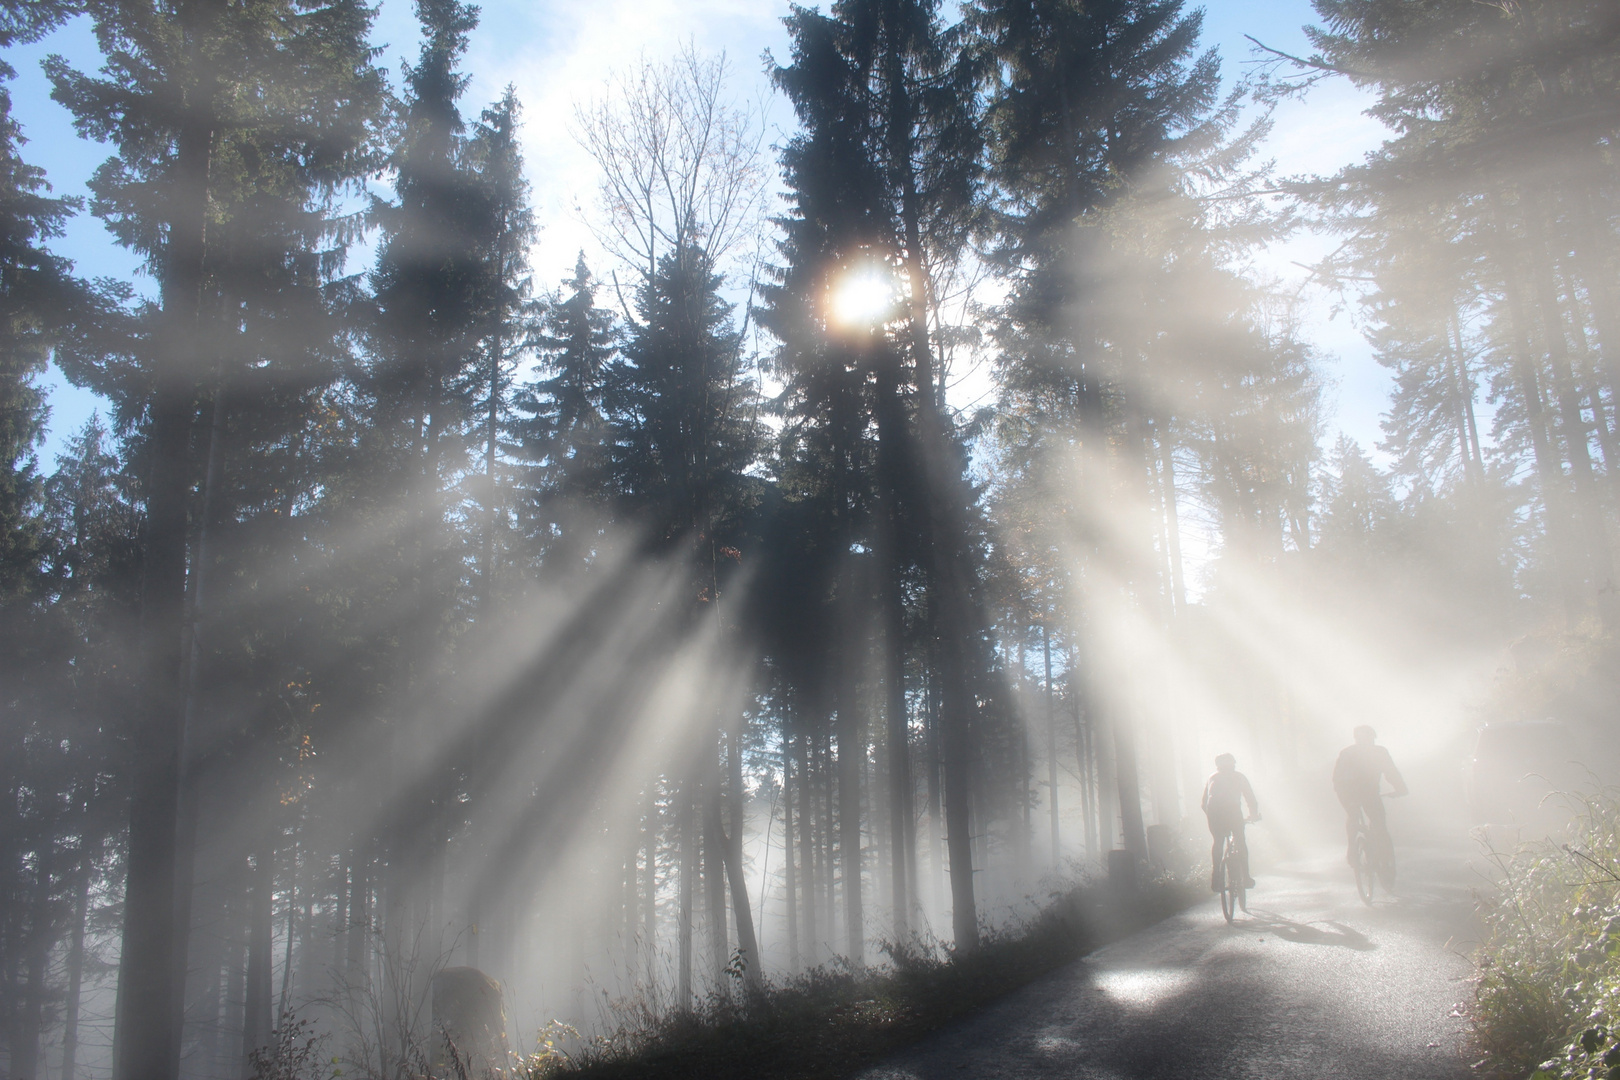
(551,537)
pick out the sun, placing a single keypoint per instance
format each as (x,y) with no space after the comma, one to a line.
(863,298)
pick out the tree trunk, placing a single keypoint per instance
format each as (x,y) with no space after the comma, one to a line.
(731,846)
(789,856)
(683,914)
(1549,472)
(257,1003)
(807,845)
(191,756)
(649,910)
(1576,442)
(892,452)
(42,931)
(1167,449)
(1129,787)
(1024,846)
(1468,427)
(714,882)
(145,1028)
(851,733)
(75,971)
(946,550)
(1051,745)
(357,931)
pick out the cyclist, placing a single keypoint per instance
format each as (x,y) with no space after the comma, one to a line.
(1224,796)
(1356,777)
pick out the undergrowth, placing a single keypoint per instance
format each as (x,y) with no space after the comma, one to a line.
(833,1020)
(1547,1002)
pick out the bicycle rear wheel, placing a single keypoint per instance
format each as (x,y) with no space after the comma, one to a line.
(1366,868)
(1231,882)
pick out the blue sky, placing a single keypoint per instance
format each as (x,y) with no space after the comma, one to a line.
(556,53)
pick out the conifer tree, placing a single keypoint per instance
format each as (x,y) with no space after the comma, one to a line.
(884,176)
(510,321)
(38,300)
(1496,178)
(564,432)
(203,102)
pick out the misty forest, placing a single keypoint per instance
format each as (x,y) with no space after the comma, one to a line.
(661,635)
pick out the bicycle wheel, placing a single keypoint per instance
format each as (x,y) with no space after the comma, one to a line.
(1366,869)
(1231,882)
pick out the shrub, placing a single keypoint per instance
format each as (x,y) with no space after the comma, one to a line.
(1547,1000)
(833,1020)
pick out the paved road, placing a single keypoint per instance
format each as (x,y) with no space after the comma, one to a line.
(1311,985)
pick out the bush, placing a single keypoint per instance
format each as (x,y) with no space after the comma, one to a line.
(1547,1000)
(833,1020)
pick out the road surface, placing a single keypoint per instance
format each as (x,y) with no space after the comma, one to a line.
(1312,984)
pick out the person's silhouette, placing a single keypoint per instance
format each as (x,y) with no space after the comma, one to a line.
(1224,795)
(1356,778)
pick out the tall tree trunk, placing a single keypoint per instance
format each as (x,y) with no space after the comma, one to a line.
(257,1002)
(192,755)
(935,765)
(357,931)
(1130,793)
(1051,743)
(41,938)
(1024,846)
(649,910)
(1549,471)
(683,912)
(851,754)
(731,846)
(714,882)
(807,844)
(790,855)
(826,849)
(1468,433)
(232,1035)
(1574,426)
(145,1029)
(1167,450)
(945,503)
(75,969)
(892,453)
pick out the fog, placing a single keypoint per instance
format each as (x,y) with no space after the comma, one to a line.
(650,638)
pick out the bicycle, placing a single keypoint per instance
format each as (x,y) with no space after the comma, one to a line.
(1233,873)
(1371,865)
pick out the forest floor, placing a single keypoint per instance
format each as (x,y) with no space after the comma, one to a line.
(1311,983)
(834,1022)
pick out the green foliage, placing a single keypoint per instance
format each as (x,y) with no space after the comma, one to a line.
(681,405)
(1548,992)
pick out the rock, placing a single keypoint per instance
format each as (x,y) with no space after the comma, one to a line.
(467,1012)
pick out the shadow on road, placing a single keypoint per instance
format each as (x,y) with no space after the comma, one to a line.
(1315,933)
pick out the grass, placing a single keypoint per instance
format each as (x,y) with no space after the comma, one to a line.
(1547,994)
(832,1021)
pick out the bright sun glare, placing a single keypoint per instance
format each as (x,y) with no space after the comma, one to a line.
(865,297)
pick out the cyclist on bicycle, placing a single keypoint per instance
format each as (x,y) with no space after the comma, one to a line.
(1356,777)
(1224,796)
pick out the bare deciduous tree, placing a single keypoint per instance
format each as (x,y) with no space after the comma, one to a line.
(681,165)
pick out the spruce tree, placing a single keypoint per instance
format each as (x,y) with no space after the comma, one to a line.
(207,105)
(38,299)
(564,433)
(884,178)
(681,407)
